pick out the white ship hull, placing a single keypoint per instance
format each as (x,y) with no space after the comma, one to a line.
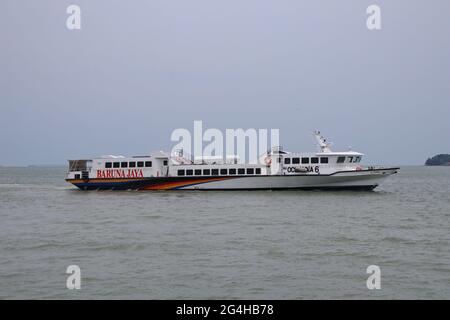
(363,180)
(344,180)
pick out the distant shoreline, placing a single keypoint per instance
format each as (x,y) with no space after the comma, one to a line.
(45,165)
(439,160)
(34,166)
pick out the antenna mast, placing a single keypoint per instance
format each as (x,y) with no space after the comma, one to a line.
(322,142)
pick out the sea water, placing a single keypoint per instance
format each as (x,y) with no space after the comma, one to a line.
(231,245)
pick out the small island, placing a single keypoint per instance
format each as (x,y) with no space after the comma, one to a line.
(439,160)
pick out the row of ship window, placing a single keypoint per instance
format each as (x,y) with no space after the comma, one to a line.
(216,172)
(131,164)
(306,160)
(351,159)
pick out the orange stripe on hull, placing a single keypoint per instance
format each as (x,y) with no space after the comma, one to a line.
(177,184)
(103,180)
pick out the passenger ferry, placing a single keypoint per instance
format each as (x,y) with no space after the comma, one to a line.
(277,169)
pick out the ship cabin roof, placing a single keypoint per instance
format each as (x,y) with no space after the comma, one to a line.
(324,154)
(344,153)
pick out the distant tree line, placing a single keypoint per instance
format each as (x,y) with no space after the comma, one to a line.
(439,160)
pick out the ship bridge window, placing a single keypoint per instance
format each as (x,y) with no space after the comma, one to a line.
(287,160)
(232,171)
(198,172)
(250,171)
(189,172)
(108,164)
(223,171)
(124,164)
(295,160)
(323,159)
(305,160)
(148,164)
(79,165)
(340,159)
(206,172)
(241,171)
(350,159)
(132,164)
(140,164)
(314,160)
(165,163)
(180,172)
(214,172)
(358,159)
(116,164)
(258,170)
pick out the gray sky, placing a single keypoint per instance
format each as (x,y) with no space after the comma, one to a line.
(139,69)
